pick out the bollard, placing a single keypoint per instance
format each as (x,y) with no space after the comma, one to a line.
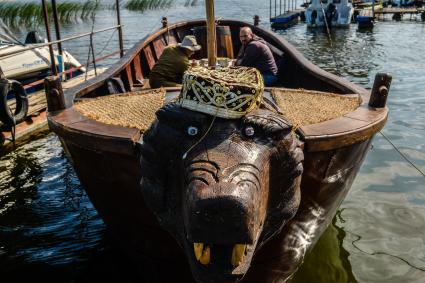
(54,94)
(256,20)
(381,87)
(164,22)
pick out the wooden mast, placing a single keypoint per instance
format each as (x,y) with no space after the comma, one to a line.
(211,36)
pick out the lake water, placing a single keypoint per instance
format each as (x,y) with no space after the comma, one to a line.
(50,232)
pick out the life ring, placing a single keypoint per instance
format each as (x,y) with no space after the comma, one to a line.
(6,115)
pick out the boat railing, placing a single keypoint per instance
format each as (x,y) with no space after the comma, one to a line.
(39,45)
(73,69)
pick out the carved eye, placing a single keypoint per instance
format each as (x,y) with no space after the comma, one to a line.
(249,131)
(192,131)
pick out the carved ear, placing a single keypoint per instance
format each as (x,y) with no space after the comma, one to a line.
(290,155)
(274,125)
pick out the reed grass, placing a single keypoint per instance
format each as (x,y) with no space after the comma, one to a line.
(143,5)
(191,3)
(31,13)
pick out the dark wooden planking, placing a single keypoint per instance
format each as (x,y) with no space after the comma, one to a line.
(347,131)
(149,55)
(181,32)
(170,38)
(127,77)
(73,127)
(66,117)
(158,46)
(137,70)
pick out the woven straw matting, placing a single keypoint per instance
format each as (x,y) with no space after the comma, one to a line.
(137,109)
(134,110)
(304,107)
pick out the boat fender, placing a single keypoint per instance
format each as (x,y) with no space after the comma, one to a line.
(6,116)
(115,85)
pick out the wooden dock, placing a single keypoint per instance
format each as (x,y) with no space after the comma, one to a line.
(36,117)
(400,10)
(286,19)
(380,11)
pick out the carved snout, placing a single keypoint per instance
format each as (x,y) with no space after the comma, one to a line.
(222,213)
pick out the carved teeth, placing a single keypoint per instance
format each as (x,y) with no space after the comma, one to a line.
(198,247)
(202,254)
(238,254)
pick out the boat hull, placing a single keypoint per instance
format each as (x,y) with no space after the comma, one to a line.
(112,179)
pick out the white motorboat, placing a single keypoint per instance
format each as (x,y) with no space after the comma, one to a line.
(334,13)
(30,65)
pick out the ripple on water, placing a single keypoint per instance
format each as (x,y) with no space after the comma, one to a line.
(46,217)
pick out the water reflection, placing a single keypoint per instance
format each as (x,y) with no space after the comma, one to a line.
(328,261)
(46,220)
(346,52)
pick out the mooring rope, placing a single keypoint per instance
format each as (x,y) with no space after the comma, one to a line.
(330,39)
(402,154)
(358,237)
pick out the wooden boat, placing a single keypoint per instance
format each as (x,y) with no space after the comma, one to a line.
(106,158)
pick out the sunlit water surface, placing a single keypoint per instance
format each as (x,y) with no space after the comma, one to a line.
(50,232)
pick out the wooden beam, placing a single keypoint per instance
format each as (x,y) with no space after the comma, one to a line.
(211,36)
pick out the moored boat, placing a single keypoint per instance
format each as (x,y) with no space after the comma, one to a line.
(17,62)
(23,66)
(106,159)
(332,13)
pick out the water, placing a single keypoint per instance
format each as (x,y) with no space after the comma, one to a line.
(48,226)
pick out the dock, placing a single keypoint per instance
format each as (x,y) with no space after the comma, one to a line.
(36,117)
(286,19)
(284,13)
(396,12)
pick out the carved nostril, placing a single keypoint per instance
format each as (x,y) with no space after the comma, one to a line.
(222,209)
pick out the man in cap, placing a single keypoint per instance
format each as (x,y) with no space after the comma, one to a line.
(255,53)
(174,61)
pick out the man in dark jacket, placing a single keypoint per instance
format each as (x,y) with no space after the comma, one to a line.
(174,61)
(255,53)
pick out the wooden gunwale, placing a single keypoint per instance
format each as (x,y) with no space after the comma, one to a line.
(356,126)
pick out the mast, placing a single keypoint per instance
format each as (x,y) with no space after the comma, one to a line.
(211,36)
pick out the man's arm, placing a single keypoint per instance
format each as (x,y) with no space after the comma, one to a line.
(250,56)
